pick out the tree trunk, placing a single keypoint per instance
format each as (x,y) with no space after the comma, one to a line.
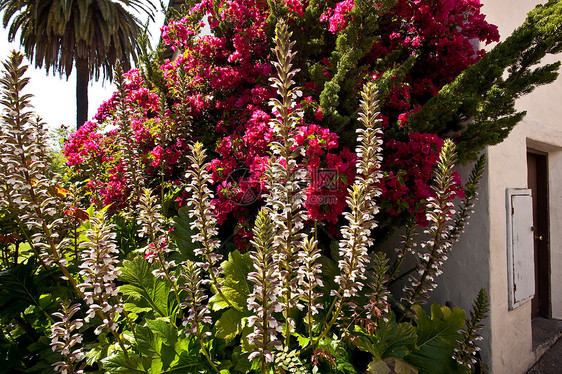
(82,78)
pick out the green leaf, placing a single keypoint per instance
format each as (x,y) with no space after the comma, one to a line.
(391,365)
(152,345)
(378,367)
(164,330)
(145,290)
(304,341)
(240,360)
(182,236)
(230,324)
(17,290)
(118,363)
(401,367)
(235,285)
(436,339)
(190,359)
(134,308)
(389,339)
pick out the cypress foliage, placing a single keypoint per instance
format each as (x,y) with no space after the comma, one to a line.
(479,106)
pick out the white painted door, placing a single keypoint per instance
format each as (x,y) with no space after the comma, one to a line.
(521,267)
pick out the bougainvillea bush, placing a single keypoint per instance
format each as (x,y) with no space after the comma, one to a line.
(424,55)
(220,80)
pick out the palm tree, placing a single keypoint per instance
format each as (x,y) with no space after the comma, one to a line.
(93,35)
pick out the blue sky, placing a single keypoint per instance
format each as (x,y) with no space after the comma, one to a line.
(55,99)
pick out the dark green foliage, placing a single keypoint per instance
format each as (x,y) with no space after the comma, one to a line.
(424,346)
(126,234)
(18,290)
(144,291)
(387,339)
(230,324)
(436,340)
(351,45)
(182,235)
(235,286)
(478,108)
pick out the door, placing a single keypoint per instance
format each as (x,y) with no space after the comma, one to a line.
(537,167)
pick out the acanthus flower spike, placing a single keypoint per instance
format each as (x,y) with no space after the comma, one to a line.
(263,301)
(98,270)
(285,197)
(205,222)
(66,338)
(354,257)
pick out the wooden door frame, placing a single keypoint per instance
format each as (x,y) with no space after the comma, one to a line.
(541,304)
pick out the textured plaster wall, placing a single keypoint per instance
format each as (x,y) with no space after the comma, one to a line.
(480,258)
(511,337)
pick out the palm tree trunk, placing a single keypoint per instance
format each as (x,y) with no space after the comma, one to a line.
(82,78)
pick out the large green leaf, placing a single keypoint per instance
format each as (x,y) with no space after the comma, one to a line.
(390,366)
(162,348)
(437,336)
(165,330)
(235,286)
(389,339)
(152,345)
(145,291)
(118,363)
(182,236)
(18,290)
(230,324)
(190,359)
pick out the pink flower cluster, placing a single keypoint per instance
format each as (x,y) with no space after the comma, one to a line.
(409,166)
(339,16)
(95,153)
(442,34)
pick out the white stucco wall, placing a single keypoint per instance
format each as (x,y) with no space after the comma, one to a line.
(480,258)
(510,331)
(511,339)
